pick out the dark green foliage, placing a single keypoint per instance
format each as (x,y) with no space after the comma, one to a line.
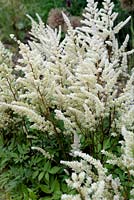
(25,173)
(76,7)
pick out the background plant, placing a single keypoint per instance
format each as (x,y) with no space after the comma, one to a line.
(19,25)
(13,16)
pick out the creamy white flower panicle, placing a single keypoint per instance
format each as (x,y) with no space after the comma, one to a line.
(9,90)
(95,83)
(128,118)
(90,184)
(49,39)
(24,110)
(46,154)
(76,144)
(128,148)
(71,197)
(79,76)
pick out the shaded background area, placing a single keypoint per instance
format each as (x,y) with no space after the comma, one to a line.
(13,18)
(13,15)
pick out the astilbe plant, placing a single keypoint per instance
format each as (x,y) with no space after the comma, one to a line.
(81,82)
(92,180)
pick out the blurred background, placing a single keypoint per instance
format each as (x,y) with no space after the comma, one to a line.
(13,18)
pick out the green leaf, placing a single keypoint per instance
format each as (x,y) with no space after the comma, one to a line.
(46,189)
(107,143)
(99,147)
(47,166)
(55,186)
(60,124)
(64,187)
(54,170)
(57,195)
(41,176)
(20,149)
(46,198)
(47,177)
(35,174)
(32,195)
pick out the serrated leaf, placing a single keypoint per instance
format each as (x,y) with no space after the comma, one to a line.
(32,195)
(64,187)
(47,177)
(41,176)
(46,198)
(20,149)
(57,195)
(35,174)
(47,166)
(46,189)
(107,143)
(54,170)
(55,186)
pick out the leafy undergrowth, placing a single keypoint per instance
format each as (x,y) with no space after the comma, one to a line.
(26,173)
